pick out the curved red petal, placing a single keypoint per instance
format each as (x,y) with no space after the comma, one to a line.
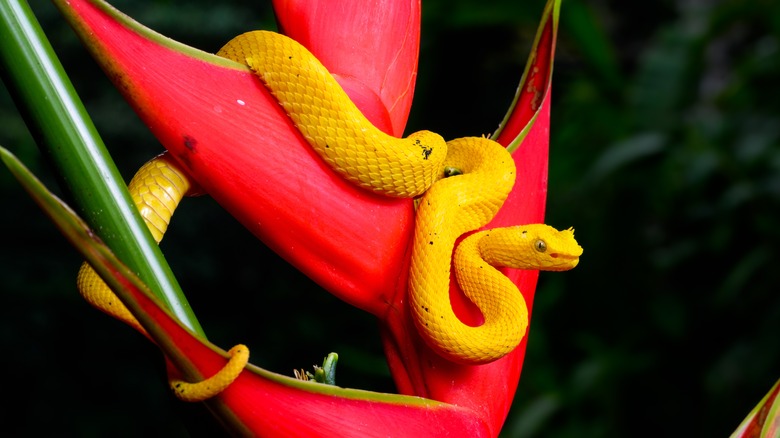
(257,403)
(261,403)
(370,47)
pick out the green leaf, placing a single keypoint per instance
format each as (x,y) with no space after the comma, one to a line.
(535,83)
(77,232)
(764,420)
(64,131)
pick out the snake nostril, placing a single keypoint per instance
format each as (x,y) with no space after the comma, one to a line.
(554,255)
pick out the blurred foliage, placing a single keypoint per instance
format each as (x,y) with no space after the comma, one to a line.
(664,156)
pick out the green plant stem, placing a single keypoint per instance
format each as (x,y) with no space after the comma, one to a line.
(63,130)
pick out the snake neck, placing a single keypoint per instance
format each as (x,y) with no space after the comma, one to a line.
(450,208)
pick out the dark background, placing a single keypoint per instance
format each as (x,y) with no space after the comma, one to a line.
(664,156)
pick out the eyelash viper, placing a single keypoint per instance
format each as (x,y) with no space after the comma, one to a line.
(461,184)
(450,206)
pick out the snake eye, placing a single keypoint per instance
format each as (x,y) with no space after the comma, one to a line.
(540,246)
(452,171)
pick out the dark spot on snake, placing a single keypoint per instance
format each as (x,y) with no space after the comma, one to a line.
(525,232)
(327,146)
(190,143)
(430,243)
(426,151)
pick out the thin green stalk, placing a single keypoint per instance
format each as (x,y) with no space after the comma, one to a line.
(63,130)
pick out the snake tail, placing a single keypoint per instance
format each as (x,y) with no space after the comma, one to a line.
(208,388)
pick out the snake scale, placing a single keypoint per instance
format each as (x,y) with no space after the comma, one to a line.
(460,186)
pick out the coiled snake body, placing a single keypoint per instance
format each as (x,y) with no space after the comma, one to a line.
(462,184)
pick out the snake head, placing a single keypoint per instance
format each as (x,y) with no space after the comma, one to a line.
(557,250)
(534,246)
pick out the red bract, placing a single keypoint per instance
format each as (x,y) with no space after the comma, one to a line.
(371,48)
(223,126)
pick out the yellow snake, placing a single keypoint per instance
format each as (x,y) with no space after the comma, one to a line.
(484,175)
(462,182)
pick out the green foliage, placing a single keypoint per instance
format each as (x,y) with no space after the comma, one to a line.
(664,157)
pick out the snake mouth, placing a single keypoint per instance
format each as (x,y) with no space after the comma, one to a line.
(564,255)
(562,262)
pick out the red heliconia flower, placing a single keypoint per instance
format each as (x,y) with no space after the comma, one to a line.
(222,125)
